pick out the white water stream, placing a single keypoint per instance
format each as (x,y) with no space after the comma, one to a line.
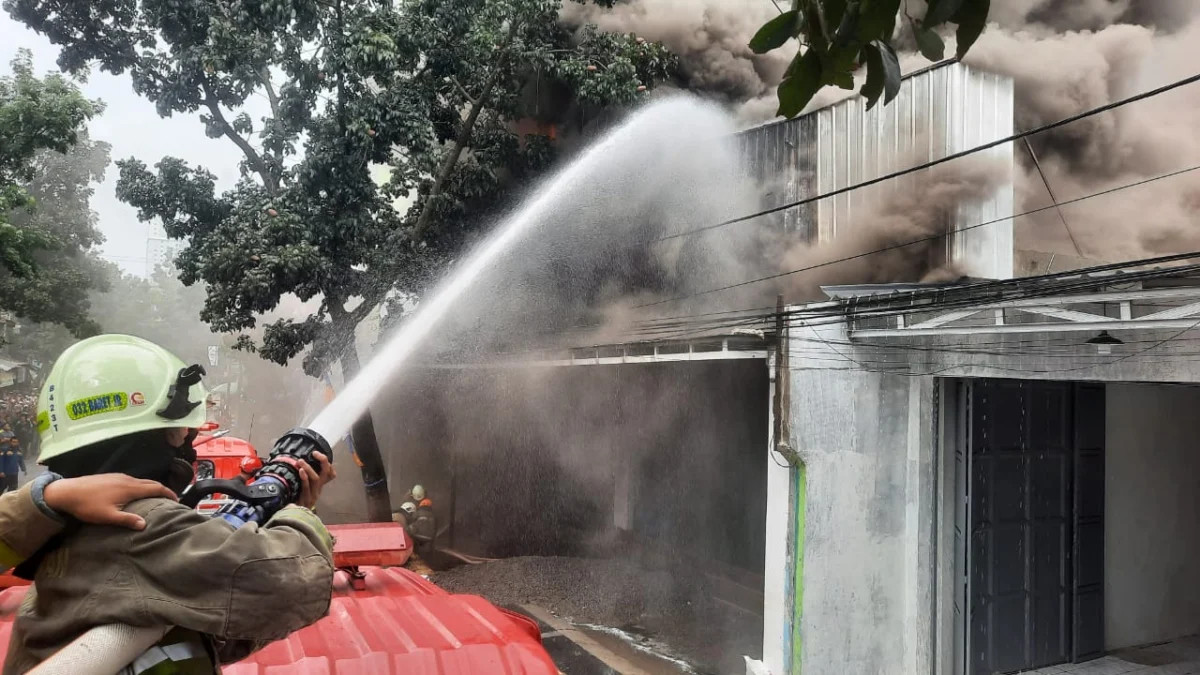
(675,119)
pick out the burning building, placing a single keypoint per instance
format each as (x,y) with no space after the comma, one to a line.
(661,450)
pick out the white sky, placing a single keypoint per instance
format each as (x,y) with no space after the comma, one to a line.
(134,129)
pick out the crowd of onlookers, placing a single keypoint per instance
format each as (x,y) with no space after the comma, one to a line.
(18,435)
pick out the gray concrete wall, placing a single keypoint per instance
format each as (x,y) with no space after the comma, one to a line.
(1152,492)
(861,419)
(867,441)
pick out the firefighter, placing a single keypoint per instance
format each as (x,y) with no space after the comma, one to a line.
(116,403)
(12,464)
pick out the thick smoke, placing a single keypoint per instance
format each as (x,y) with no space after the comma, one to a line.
(1095,61)
(710,37)
(1065,56)
(921,209)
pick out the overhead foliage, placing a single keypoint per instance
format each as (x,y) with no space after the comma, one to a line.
(58,269)
(46,225)
(838,37)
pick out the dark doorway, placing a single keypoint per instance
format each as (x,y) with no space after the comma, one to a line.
(1036,524)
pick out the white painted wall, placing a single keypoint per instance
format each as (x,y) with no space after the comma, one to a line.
(777,620)
(867,439)
(1152,514)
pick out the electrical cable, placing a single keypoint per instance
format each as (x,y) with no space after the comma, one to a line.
(948,158)
(922,239)
(905,303)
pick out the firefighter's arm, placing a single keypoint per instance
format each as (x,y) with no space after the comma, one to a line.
(26,522)
(250,585)
(31,516)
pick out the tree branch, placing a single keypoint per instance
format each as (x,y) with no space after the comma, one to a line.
(463,90)
(264,76)
(364,308)
(256,160)
(460,143)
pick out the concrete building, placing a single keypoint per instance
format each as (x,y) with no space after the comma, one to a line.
(918,479)
(940,111)
(160,249)
(673,445)
(1011,484)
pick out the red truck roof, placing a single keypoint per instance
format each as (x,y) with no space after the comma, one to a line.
(398,623)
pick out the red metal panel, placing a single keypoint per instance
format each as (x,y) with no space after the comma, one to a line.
(360,544)
(399,624)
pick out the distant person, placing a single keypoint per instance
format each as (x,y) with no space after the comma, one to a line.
(32,447)
(11,462)
(25,430)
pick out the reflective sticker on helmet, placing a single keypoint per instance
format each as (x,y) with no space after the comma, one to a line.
(97,405)
(43,422)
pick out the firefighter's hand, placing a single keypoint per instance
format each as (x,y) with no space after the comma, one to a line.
(311,483)
(99,499)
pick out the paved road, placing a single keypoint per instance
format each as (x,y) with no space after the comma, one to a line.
(583,652)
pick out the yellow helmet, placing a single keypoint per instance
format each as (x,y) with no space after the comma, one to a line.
(115,385)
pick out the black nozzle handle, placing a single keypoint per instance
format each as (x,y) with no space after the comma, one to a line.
(301,443)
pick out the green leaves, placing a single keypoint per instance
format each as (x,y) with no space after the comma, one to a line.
(776,32)
(883,74)
(43,198)
(930,43)
(56,233)
(839,36)
(940,11)
(801,84)
(971,19)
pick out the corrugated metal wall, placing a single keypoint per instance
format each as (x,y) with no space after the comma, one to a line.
(938,112)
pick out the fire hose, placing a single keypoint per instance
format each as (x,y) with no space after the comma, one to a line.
(105,650)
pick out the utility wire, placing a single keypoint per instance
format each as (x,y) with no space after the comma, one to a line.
(922,239)
(972,294)
(1042,371)
(948,158)
(1053,200)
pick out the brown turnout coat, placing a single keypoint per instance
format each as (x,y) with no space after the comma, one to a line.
(239,589)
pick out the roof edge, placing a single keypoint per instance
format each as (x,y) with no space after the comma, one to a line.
(920,71)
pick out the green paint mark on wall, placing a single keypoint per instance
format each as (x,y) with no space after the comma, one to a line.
(800,497)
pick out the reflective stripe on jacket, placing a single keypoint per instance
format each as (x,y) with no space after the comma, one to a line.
(180,652)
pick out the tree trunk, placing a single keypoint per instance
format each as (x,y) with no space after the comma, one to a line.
(366,447)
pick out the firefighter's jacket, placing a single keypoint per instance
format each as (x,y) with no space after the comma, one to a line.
(24,526)
(228,592)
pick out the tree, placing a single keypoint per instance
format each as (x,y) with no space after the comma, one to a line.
(355,84)
(840,36)
(45,223)
(65,270)
(481,59)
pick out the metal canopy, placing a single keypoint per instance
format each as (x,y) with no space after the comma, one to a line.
(704,349)
(1146,309)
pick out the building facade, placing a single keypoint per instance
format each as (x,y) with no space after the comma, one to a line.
(940,111)
(1009,485)
(161,249)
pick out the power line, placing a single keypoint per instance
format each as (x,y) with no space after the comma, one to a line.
(924,239)
(1042,371)
(948,158)
(940,298)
